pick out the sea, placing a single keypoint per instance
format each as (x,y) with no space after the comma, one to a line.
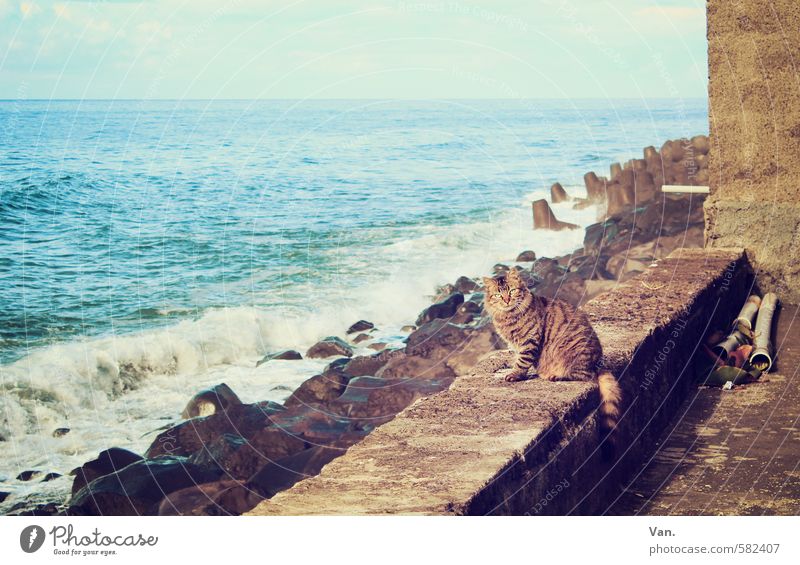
(152,248)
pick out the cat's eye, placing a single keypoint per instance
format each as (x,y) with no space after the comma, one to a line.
(498,295)
(514,291)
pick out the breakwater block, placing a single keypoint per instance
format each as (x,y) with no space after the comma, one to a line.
(484,446)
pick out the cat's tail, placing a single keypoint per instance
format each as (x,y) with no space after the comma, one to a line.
(609,411)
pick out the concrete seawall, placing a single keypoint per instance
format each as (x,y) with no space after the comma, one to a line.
(485,446)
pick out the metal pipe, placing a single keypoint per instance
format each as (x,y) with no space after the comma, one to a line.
(762,347)
(729,344)
(744,321)
(685,189)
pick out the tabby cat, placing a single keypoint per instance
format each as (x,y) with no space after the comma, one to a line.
(552,335)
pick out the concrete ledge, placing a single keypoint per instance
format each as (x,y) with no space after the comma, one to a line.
(485,446)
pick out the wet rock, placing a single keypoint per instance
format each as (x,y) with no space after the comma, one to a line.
(107,462)
(408,328)
(285,355)
(240,457)
(319,389)
(209,401)
(138,488)
(500,269)
(46,509)
(28,475)
(360,326)
(218,498)
(466,285)
(284,473)
(378,400)
(378,346)
(50,476)
(3,496)
(60,432)
(190,436)
(558,194)
(361,337)
(526,257)
(443,292)
(443,346)
(368,364)
(329,347)
(443,309)
(614,171)
(467,312)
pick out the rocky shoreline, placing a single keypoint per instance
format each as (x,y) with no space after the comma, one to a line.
(227,456)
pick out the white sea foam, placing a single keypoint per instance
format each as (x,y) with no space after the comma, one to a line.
(117,390)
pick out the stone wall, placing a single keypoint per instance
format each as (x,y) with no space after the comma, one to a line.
(754,113)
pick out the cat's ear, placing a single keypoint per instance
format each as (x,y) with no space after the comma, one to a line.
(489,282)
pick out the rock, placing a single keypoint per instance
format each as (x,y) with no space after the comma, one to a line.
(621,264)
(598,235)
(47,509)
(285,355)
(571,288)
(408,328)
(500,269)
(138,488)
(190,436)
(107,462)
(465,285)
(650,153)
(319,389)
(329,347)
(467,312)
(614,171)
(218,498)
(595,288)
(443,309)
(526,257)
(361,337)
(240,457)
(365,365)
(558,194)
(701,144)
(544,219)
(378,346)
(28,475)
(443,292)
(60,432)
(50,476)
(284,473)
(378,399)
(209,401)
(360,326)
(546,269)
(581,203)
(3,496)
(444,344)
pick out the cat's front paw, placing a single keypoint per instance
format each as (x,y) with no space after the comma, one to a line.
(515,376)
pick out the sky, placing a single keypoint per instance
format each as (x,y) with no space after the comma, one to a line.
(178,49)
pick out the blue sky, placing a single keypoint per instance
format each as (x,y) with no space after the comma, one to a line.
(352,49)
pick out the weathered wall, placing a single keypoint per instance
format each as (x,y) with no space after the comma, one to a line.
(485,446)
(754,112)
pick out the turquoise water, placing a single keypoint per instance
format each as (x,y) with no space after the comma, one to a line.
(148,248)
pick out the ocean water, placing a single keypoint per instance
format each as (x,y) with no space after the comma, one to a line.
(149,249)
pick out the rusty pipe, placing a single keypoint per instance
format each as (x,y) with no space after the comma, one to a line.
(744,321)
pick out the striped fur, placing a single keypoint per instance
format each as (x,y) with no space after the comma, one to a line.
(552,336)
